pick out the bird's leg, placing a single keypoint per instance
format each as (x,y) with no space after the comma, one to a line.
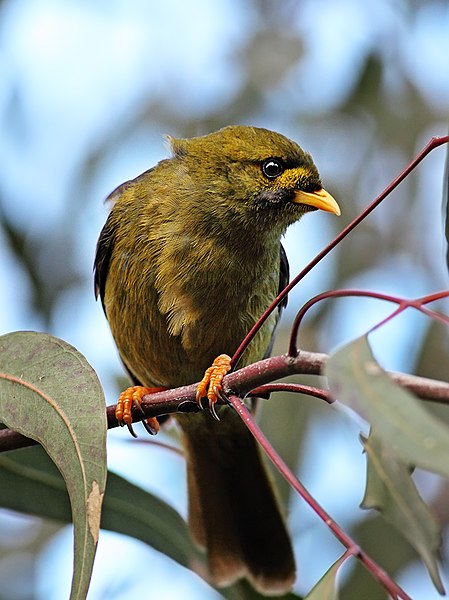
(211,383)
(132,396)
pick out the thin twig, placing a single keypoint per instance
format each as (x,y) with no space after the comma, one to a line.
(241,383)
(296,388)
(433,143)
(376,570)
(403,304)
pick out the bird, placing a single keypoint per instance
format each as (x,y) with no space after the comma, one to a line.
(188,259)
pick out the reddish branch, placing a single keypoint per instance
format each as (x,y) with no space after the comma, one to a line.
(246,380)
(403,304)
(434,142)
(352,548)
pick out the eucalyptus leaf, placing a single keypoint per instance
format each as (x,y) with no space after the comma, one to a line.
(50,393)
(326,588)
(446,200)
(391,490)
(399,418)
(30,482)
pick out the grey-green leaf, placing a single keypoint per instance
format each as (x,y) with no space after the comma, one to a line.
(446,201)
(400,419)
(391,490)
(29,482)
(130,510)
(50,393)
(326,588)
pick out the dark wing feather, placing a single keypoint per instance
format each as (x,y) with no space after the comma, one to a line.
(105,246)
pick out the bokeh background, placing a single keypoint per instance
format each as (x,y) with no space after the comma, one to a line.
(87,91)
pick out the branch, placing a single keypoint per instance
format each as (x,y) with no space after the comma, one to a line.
(353,549)
(244,381)
(433,143)
(403,304)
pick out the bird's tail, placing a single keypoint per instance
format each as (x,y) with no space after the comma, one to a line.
(233,511)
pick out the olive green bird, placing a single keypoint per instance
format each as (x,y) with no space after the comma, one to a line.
(189,258)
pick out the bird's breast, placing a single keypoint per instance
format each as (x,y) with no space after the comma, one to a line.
(194,300)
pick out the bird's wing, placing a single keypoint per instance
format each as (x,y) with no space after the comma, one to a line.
(105,246)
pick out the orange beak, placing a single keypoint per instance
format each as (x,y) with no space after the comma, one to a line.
(319,199)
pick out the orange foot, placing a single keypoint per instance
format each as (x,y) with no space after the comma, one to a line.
(211,384)
(132,396)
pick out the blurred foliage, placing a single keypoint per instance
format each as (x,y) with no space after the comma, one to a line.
(361,133)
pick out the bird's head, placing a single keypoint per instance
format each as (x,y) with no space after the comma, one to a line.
(253,175)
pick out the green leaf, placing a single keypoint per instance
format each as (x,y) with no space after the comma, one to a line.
(326,588)
(390,490)
(130,510)
(30,482)
(49,393)
(399,418)
(446,201)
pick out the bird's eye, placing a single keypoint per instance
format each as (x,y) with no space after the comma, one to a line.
(272,168)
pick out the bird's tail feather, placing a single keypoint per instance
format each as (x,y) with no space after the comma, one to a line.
(233,511)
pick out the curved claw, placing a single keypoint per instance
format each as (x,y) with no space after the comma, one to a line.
(131,397)
(130,429)
(211,383)
(151,425)
(199,401)
(221,394)
(212,410)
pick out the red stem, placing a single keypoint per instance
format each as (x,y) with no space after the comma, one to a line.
(243,382)
(403,304)
(382,577)
(418,304)
(297,388)
(433,143)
